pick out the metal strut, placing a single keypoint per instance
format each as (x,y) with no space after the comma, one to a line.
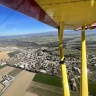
(63,66)
(84,79)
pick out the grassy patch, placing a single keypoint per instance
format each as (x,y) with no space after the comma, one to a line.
(13,53)
(44,92)
(55,81)
(2,66)
(15,72)
(92,87)
(49,80)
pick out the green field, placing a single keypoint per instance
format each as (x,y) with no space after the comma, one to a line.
(56,81)
(2,66)
(15,72)
(49,80)
(92,87)
(13,53)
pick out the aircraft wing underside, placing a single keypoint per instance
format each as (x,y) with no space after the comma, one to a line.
(29,8)
(74,13)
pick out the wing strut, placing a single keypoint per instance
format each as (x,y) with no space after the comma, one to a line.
(92,3)
(63,66)
(84,79)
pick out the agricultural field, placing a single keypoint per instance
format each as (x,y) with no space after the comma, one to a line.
(92,87)
(13,53)
(2,66)
(20,84)
(6,70)
(49,80)
(14,72)
(45,85)
(4,55)
(57,82)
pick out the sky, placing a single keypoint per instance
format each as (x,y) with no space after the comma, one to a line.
(17,23)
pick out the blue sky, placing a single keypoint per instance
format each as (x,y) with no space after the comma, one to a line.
(18,24)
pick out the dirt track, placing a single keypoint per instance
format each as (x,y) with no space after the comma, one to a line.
(20,84)
(29,94)
(4,55)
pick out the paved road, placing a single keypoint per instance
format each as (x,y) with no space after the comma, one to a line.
(20,84)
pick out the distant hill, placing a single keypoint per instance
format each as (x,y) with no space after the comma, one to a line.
(51,33)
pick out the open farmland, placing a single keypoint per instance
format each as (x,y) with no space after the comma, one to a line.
(3,72)
(20,84)
(49,80)
(44,85)
(15,72)
(6,70)
(13,53)
(4,55)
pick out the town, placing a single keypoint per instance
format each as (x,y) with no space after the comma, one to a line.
(39,60)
